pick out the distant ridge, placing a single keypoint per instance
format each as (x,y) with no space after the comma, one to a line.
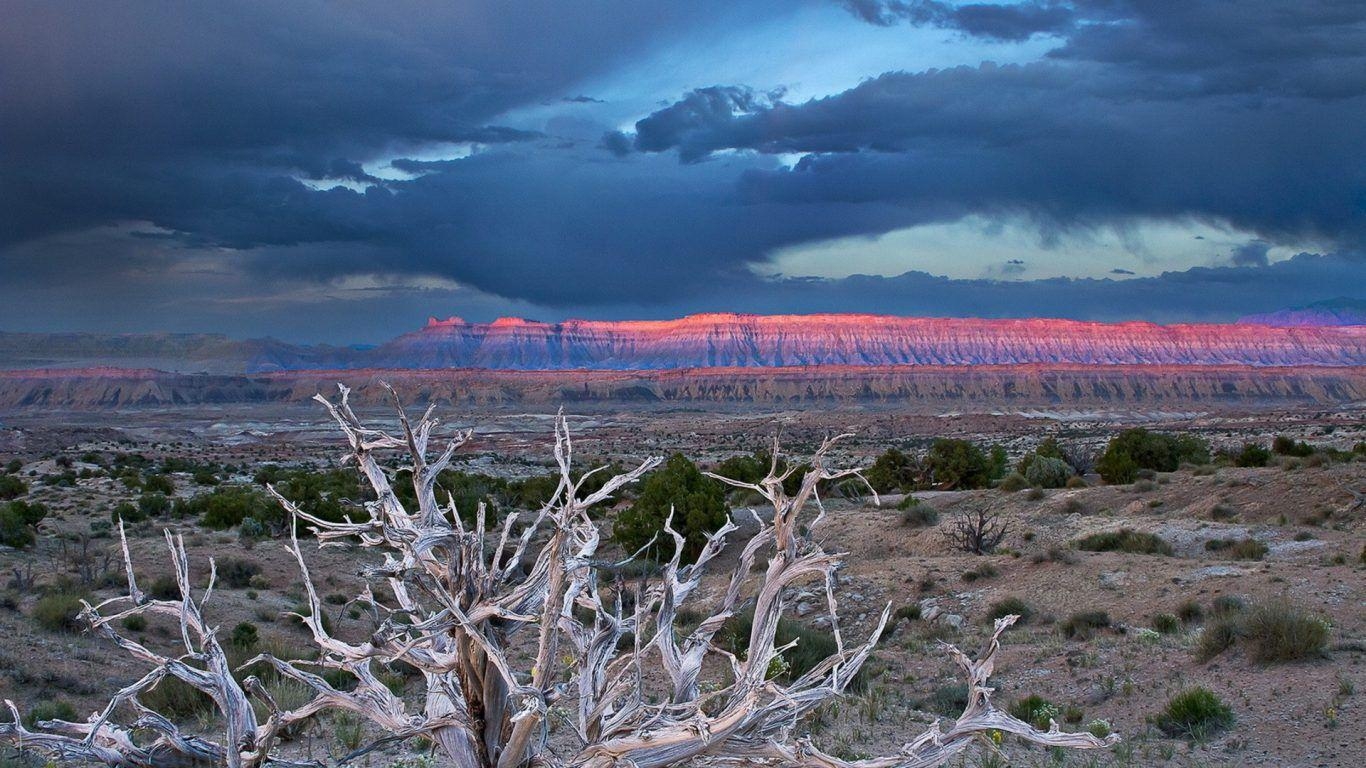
(1333,312)
(732,341)
(778,341)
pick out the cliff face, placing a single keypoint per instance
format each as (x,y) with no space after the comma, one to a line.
(982,387)
(749,341)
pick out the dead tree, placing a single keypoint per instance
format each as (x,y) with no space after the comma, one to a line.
(978,531)
(461,605)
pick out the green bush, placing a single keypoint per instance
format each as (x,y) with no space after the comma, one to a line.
(957,464)
(1125,540)
(162,484)
(1190,612)
(226,506)
(813,646)
(127,512)
(1195,713)
(1035,710)
(1284,445)
(1240,549)
(1083,625)
(245,636)
(177,700)
(1138,449)
(1048,472)
(58,612)
(237,572)
(17,521)
(892,471)
(914,514)
(164,587)
(53,709)
(698,504)
(12,487)
(946,700)
(1010,605)
(1166,624)
(1252,455)
(1013,482)
(153,504)
(1216,638)
(135,623)
(1227,605)
(1278,632)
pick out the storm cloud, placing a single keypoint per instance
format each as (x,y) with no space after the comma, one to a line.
(255,166)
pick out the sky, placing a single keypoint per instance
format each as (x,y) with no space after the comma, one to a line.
(338,172)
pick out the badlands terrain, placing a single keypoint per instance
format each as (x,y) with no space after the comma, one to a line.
(1109,637)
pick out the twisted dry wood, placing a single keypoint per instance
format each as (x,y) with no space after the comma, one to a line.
(462,605)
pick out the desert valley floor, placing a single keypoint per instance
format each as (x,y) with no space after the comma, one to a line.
(1117,671)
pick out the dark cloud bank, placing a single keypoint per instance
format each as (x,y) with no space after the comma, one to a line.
(153,158)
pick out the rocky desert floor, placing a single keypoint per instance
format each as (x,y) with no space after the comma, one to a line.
(1309,515)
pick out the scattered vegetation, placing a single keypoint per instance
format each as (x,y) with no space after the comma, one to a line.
(1195,713)
(1125,540)
(1083,625)
(1138,449)
(1240,549)
(697,503)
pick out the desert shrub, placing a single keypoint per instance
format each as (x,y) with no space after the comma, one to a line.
(1279,632)
(1190,612)
(1035,710)
(1285,445)
(957,464)
(1138,449)
(12,487)
(1166,623)
(164,587)
(1222,512)
(917,515)
(946,700)
(1240,549)
(1125,540)
(813,646)
(251,531)
(236,572)
(302,611)
(51,709)
(1010,605)
(1013,482)
(697,502)
(892,471)
(1083,625)
(245,636)
(1073,506)
(153,505)
(1076,481)
(983,571)
(14,465)
(1227,605)
(155,483)
(1048,472)
(227,506)
(1034,494)
(908,612)
(1252,455)
(177,700)
(1195,713)
(1218,637)
(58,612)
(127,512)
(17,521)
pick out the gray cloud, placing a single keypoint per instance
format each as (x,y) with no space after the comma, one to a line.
(152,160)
